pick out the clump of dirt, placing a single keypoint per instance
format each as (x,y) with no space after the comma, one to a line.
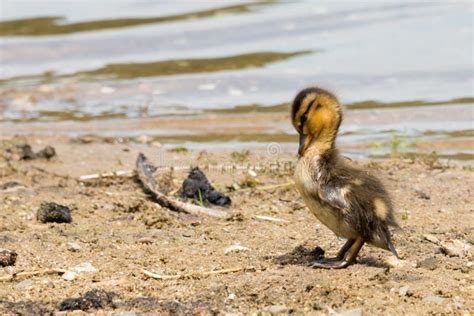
(7,257)
(95,299)
(300,255)
(50,212)
(197,186)
(25,152)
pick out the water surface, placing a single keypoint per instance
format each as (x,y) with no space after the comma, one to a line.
(96,61)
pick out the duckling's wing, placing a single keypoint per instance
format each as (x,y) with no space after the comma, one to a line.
(365,206)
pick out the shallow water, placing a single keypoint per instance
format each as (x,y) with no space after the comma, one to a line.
(110,60)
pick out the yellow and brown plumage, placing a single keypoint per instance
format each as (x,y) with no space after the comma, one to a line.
(348,200)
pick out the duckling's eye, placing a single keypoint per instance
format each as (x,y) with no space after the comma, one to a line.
(304,118)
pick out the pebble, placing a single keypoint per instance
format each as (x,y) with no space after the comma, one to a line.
(350,312)
(428,263)
(85,267)
(7,257)
(69,275)
(394,262)
(403,291)
(231,297)
(433,299)
(431,238)
(145,240)
(72,246)
(276,309)
(235,248)
(24,284)
(422,195)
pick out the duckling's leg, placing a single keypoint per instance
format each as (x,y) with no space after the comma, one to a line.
(345,257)
(340,254)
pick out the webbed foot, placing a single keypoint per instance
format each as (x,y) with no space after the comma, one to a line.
(346,256)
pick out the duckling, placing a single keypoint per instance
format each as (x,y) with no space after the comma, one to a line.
(348,200)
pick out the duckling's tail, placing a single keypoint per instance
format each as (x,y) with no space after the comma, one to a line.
(392,249)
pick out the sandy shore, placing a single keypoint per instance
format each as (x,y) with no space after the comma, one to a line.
(117,231)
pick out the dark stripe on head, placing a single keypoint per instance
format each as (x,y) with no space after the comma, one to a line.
(304,116)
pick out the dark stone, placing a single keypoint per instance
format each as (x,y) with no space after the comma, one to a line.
(7,258)
(50,212)
(197,186)
(25,152)
(95,299)
(422,195)
(47,153)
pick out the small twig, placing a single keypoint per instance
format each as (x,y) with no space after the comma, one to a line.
(194,275)
(270,219)
(120,173)
(26,274)
(145,174)
(66,177)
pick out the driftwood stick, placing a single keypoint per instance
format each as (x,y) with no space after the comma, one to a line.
(27,274)
(120,173)
(145,174)
(270,219)
(194,275)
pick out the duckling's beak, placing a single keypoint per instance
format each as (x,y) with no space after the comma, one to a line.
(305,140)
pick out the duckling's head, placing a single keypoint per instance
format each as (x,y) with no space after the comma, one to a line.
(316,115)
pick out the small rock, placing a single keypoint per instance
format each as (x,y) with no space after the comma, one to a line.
(252,173)
(47,153)
(145,240)
(422,195)
(25,152)
(431,238)
(50,212)
(394,262)
(433,299)
(455,248)
(72,246)
(143,139)
(350,312)
(276,309)
(69,275)
(85,267)
(428,263)
(7,257)
(231,297)
(235,248)
(24,284)
(403,291)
